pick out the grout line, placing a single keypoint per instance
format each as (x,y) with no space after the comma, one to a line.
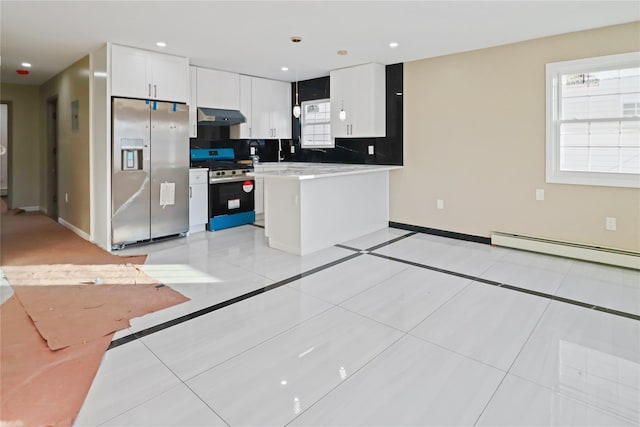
(513,288)
(396,239)
(139,334)
(159,327)
(512,363)
(356,372)
(347,247)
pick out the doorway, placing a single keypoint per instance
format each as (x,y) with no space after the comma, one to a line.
(5,152)
(52,158)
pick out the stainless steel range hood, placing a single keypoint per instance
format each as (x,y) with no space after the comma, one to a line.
(219,117)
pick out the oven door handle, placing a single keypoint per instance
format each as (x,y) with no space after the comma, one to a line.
(230,179)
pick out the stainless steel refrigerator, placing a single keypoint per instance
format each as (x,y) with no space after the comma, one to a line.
(150,170)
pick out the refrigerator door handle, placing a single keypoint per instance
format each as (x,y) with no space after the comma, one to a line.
(155,91)
(149,89)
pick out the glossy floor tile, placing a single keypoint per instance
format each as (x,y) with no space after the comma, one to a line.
(601,285)
(273,382)
(344,337)
(520,402)
(128,376)
(225,333)
(178,406)
(376,238)
(485,323)
(587,355)
(347,279)
(407,298)
(412,383)
(525,276)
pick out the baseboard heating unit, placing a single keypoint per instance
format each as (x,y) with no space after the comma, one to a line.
(617,257)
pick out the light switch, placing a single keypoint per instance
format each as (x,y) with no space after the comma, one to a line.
(252,150)
(293,149)
(371,150)
(440,204)
(539,194)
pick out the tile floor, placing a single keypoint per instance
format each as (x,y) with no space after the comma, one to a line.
(414,332)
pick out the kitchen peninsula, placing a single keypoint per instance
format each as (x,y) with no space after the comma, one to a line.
(311,206)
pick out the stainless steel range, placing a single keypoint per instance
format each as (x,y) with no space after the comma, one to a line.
(231,191)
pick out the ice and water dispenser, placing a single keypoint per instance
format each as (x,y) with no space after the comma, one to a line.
(131,152)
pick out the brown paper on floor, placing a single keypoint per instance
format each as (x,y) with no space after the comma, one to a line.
(35,239)
(40,387)
(69,315)
(67,274)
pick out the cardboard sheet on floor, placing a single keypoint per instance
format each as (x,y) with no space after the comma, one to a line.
(67,274)
(41,387)
(70,315)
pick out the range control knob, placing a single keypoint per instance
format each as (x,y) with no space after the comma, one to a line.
(233,173)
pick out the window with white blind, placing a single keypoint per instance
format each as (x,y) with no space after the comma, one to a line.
(593,121)
(315,129)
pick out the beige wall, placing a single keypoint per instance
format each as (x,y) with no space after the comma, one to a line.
(24,190)
(474,136)
(73,146)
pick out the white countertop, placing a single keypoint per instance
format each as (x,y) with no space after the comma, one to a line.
(300,171)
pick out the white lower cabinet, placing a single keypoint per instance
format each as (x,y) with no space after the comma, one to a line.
(198,199)
(259,196)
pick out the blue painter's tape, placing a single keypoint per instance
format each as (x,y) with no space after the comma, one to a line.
(146,101)
(155,105)
(227,221)
(175,108)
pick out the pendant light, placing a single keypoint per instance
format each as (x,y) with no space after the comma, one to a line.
(342,115)
(296,108)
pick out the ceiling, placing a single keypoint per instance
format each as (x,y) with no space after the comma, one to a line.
(253,37)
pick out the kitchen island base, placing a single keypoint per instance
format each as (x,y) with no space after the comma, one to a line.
(306,215)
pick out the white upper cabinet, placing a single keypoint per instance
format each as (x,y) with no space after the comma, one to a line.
(266,104)
(360,92)
(270,109)
(137,73)
(243,130)
(218,89)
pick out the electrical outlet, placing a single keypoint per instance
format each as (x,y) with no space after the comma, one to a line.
(66,197)
(440,204)
(610,223)
(253,150)
(293,149)
(371,150)
(539,194)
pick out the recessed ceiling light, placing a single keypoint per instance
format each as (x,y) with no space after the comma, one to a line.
(393,44)
(285,68)
(26,64)
(161,44)
(342,52)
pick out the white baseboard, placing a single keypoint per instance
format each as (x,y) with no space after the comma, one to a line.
(73,228)
(30,208)
(611,256)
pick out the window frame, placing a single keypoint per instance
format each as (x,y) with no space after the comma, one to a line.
(554,71)
(332,142)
